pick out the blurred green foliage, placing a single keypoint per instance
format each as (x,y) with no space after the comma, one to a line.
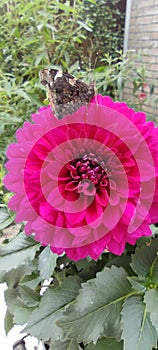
(72,35)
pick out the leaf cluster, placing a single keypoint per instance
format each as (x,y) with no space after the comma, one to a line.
(106,304)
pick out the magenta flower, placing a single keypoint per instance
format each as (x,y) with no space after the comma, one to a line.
(88,182)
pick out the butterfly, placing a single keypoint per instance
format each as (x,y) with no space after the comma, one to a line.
(65,92)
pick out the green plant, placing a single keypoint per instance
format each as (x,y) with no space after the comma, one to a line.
(83,305)
(108,28)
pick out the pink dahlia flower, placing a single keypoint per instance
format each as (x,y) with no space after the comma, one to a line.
(88,182)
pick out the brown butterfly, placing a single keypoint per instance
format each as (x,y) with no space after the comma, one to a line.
(65,93)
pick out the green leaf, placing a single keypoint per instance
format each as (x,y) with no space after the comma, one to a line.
(14,276)
(42,323)
(137,283)
(32,281)
(84,25)
(8,321)
(145,240)
(66,345)
(88,269)
(22,314)
(74,67)
(154,230)
(20,299)
(144,258)
(96,311)
(151,301)
(123,261)
(8,88)
(47,263)
(138,331)
(17,252)
(29,296)
(63,7)
(22,93)
(16,307)
(153,274)
(106,344)
(5,218)
(10,296)
(40,57)
(52,28)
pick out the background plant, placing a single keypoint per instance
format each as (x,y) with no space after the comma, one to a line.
(49,33)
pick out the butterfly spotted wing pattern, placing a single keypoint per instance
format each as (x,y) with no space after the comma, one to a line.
(65,93)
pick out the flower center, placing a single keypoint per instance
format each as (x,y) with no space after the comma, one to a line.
(89,167)
(84,175)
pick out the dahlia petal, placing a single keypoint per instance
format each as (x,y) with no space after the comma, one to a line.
(77,253)
(116,247)
(102,197)
(114,198)
(153,212)
(73,219)
(47,212)
(118,233)
(93,212)
(71,186)
(111,217)
(83,232)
